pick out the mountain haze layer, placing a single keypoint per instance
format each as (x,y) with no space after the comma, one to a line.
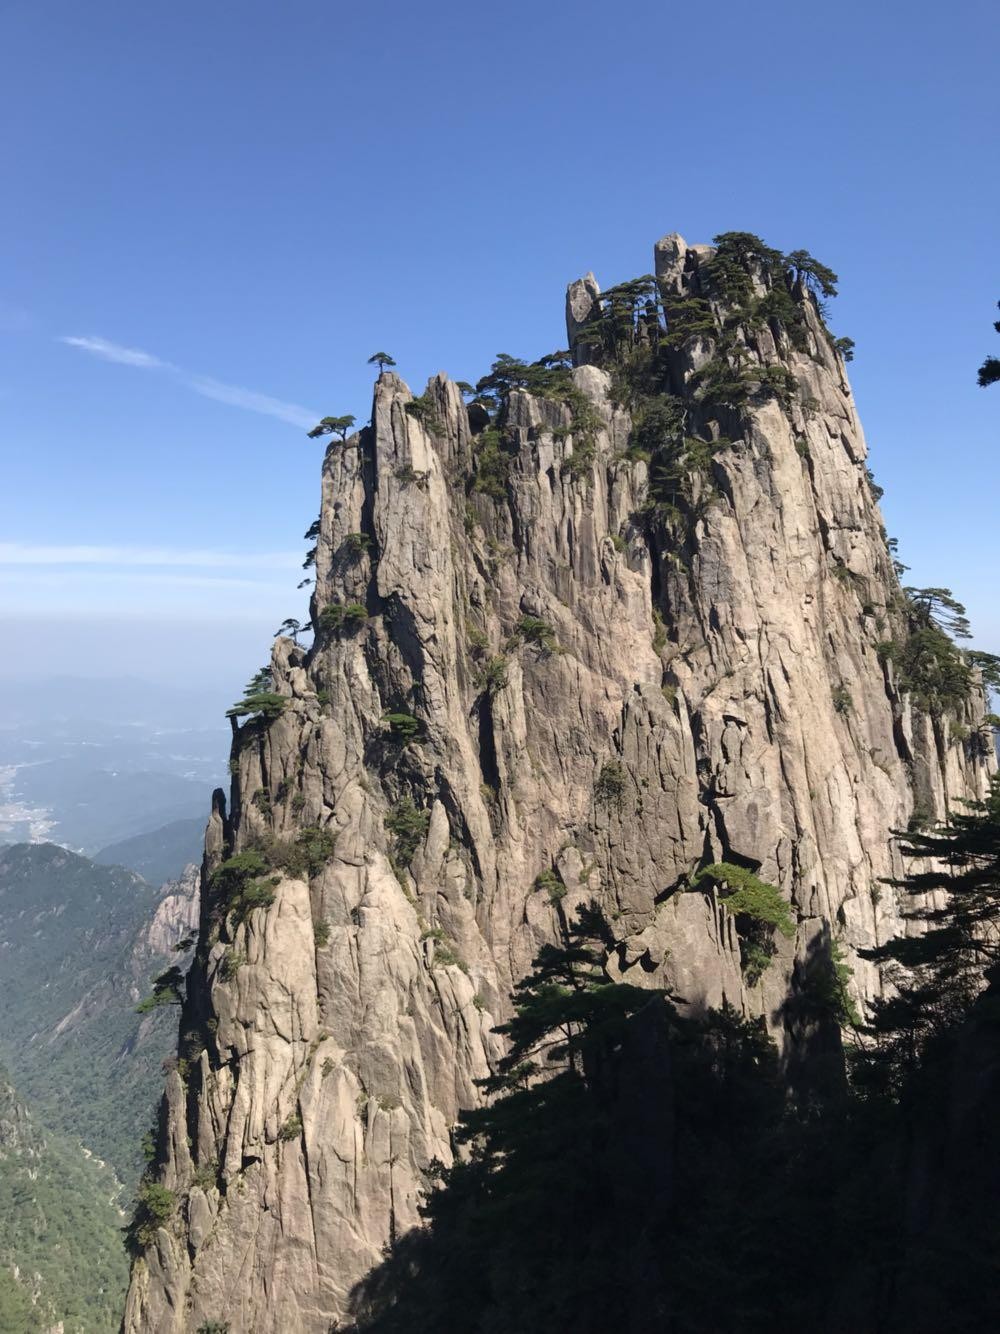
(627,628)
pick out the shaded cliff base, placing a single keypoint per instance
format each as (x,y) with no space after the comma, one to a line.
(665,1180)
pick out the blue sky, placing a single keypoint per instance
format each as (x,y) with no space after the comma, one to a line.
(215,212)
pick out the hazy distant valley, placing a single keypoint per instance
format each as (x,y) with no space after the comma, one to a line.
(87,764)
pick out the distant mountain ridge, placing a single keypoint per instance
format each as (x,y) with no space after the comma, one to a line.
(160,855)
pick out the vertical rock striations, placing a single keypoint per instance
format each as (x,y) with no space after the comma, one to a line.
(634,621)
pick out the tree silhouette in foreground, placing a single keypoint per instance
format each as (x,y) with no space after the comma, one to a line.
(647,1172)
(989,371)
(590,1184)
(938,971)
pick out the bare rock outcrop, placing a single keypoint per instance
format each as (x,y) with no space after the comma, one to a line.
(537,680)
(174,918)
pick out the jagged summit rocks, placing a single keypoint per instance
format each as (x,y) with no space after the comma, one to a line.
(615,623)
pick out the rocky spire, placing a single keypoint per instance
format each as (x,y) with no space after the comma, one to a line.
(557,660)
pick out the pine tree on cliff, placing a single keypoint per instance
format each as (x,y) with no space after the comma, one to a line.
(382,360)
(989,371)
(940,972)
(332,426)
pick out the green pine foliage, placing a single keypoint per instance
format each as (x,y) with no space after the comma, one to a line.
(356,544)
(938,967)
(266,705)
(611,784)
(743,894)
(291,1129)
(989,371)
(549,883)
(238,882)
(408,825)
(493,455)
(495,447)
(235,882)
(635,331)
(303,856)
(155,1205)
(535,630)
(166,991)
(231,875)
(403,727)
(758,909)
(930,667)
(424,409)
(343,617)
(260,700)
(492,677)
(338,426)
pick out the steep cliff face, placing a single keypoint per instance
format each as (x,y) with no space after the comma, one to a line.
(555,662)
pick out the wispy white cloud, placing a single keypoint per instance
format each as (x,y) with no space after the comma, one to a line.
(252,401)
(122,356)
(125,558)
(234,395)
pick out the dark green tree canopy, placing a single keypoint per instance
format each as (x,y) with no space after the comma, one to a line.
(816,276)
(936,606)
(381,359)
(166,991)
(939,969)
(260,700)
(989,371)
(332,426)
(290,626)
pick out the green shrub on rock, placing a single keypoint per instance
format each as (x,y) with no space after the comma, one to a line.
(611,782)
(408,825)
(759,911)
(343,617)
(154,1207)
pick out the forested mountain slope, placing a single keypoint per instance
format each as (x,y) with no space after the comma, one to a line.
(79,946)
(61,1260)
